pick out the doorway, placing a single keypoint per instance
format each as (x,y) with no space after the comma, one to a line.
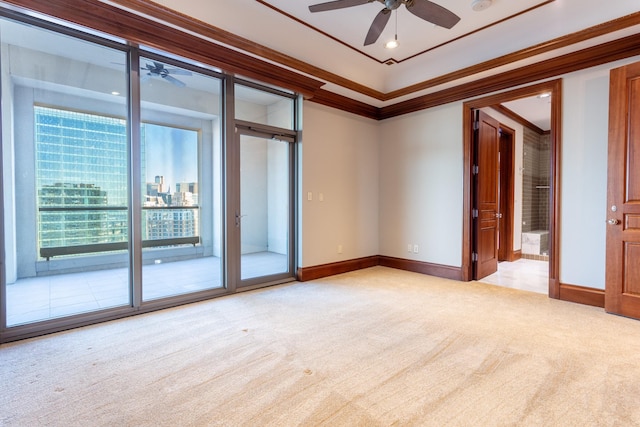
(264,215)
(469,245)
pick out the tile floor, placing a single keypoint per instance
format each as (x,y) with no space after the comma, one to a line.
(48,297)
(525,274)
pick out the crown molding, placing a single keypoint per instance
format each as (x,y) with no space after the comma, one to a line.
(141,22)
(180,20)
(391,61)
(137,28)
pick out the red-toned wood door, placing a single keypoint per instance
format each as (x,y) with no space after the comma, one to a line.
(622,294)
(505,195)
(486,178)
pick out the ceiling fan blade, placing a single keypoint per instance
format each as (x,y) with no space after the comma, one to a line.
(433,13)
(174,81)
(337,4)
(379,22)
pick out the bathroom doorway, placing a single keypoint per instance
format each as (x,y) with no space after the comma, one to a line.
(529,260)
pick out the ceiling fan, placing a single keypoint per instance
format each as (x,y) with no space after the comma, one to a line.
(423,9)
(157,69)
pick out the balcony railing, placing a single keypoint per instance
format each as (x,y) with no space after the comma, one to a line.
(49,252)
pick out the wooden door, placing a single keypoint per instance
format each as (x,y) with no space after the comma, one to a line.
(622,294)
(486,149)
(505,206)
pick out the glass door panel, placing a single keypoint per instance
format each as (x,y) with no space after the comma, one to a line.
(180,151)
(65,166)
(265,205)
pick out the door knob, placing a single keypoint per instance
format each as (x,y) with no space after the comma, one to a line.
(613,221)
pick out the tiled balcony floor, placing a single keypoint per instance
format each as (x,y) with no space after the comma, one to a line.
(524,274)
(47,297)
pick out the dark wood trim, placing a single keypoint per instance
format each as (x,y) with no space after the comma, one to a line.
(558,43)
(507,192)
(180,20)
(325,270)
(344,103)
(582,295)
(467,203)
(586,58)
(444,271)
(555,88)
(515,255)
(175,18)
(183,21)
(137,29)
(555,189)
(517,118)
(391,61)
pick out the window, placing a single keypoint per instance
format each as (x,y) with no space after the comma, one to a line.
(111,206)
(81,180)
(81,171)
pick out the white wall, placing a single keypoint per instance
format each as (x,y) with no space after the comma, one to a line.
(340,154)
(421,182)
(421,185)
(584,175)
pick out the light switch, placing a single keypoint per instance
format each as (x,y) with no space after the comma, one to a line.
(309,196)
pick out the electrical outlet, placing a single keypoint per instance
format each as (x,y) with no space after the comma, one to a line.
(409,247)
(415,249)
(309,196)
(339,249)
(321,197)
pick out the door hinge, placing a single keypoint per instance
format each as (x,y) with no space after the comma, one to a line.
(474,213)
(475,169)
(476,125)
(474,257)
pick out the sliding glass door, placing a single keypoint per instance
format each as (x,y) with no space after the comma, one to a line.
(132,181)
(64,173)
(180,157)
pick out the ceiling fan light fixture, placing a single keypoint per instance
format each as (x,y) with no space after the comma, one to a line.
(392,44)
(480,5)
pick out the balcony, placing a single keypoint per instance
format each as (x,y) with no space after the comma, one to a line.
(172,232)
(42,298)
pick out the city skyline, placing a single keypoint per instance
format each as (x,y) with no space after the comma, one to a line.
(170,152)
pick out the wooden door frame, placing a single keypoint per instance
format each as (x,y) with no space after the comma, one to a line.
(505,198)
(555,88)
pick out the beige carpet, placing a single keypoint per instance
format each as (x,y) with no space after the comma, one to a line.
(368,348)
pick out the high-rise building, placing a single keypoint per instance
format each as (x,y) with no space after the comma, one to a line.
(81,173)
(82,184)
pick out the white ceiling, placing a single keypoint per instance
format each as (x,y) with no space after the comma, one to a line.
(535,109)
(333,40)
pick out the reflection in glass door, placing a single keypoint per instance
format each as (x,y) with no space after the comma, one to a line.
(180,149)
(65,156)
(265,207)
